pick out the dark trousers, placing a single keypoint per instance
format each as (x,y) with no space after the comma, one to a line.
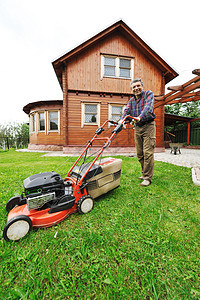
(145,140)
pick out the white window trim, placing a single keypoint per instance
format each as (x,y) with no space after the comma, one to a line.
(110,110)
(32,122)
(48,121)
(83,123)
(117,69)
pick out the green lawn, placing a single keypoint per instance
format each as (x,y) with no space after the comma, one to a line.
(137,243)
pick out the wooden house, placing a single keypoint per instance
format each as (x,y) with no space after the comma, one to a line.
(95,80)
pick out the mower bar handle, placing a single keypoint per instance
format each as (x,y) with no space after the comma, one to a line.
(125,120)
(100,129)
(107,142)
(128,119)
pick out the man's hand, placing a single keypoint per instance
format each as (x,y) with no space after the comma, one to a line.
(137,119)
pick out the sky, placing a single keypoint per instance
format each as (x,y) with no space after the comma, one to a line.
(33,33)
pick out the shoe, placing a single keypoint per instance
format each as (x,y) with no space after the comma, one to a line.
(145,183)
(141,178)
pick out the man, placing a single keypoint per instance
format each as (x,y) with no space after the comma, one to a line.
(141,106)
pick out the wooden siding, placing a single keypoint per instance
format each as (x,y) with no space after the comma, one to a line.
(84,71)
(84,74)
(78,136)
(52,138)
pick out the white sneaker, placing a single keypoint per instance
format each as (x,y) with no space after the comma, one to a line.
(145,183)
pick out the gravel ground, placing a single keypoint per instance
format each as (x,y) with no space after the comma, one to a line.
(188,157)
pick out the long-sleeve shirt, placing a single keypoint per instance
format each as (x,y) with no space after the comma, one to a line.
(142,107)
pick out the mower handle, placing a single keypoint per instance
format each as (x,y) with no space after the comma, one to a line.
(125,120)
(128,119)
(99,130)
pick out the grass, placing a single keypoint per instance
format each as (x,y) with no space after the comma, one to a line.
(137,243)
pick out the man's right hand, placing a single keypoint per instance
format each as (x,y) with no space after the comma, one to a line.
(137,119)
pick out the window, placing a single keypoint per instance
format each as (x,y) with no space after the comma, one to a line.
(41,121)
(90,114)
(53,117)
(124,68)
(115,112)
(45,121)
(117,67)
(33,122)
(109,66)
(53,120)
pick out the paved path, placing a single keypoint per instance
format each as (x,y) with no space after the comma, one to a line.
(188,157)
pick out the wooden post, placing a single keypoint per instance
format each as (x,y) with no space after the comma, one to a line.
(188,134)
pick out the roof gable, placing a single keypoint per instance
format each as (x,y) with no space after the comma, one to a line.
(128,33)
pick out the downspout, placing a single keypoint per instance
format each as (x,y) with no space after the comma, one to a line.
(65,104)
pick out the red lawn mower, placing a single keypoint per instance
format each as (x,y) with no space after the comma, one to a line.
(48,198)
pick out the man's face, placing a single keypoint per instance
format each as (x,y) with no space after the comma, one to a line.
(137,88)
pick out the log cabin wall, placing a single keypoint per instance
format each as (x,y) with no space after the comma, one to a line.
(47,137)
(84,71)
(85,84)
(78,134)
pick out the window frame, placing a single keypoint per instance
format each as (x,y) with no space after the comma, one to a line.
(33,122)
(83,123)
(41,112)
(110,105)
(117,66)
(48,121)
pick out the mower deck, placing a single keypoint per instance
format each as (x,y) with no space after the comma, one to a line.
(41,218)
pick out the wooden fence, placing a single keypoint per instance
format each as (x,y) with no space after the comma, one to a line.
(181,136)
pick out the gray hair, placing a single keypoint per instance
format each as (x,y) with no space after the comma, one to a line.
(136,80)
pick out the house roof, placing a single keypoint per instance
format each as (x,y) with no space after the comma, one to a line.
(171,119)
(120,26)
(27,108)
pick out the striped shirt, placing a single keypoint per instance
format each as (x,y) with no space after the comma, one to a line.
(142,107)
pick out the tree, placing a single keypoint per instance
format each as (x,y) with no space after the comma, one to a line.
(188,109)
(14,135)
(191,109)
(174,109)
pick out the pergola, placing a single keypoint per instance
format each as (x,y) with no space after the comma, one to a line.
(187,92)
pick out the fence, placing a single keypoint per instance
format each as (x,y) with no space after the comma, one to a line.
(181,136)
(6,142)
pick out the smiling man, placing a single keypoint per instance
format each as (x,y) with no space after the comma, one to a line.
(141,106)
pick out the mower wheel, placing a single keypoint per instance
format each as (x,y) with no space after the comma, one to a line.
(17,227)
(85,204)
(12,202)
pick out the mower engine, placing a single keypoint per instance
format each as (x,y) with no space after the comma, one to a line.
(43,188)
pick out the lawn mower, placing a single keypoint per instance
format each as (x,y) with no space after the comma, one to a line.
(48,198)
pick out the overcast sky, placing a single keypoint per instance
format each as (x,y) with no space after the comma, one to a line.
(33,33)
